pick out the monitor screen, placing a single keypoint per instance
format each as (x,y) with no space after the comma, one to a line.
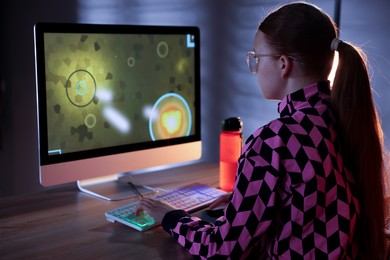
(115,98)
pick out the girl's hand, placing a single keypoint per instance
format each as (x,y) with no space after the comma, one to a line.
(155,208)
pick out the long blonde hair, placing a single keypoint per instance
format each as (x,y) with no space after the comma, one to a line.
(362,143)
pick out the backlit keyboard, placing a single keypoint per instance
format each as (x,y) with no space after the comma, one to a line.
(188,198)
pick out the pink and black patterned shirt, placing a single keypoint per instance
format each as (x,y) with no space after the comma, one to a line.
(293,197)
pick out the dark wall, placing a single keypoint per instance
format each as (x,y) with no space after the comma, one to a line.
(2,106)
(18,142)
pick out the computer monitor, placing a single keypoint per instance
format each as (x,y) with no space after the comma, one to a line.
(113,99)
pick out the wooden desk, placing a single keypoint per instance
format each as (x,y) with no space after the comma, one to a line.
(65,223)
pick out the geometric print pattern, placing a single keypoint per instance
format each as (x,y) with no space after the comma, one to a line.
(293,197)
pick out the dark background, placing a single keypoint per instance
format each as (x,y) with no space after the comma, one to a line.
(228,89)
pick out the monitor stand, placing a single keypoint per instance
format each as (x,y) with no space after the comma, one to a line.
(114,187)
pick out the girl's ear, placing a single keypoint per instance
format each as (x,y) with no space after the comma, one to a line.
(285,66)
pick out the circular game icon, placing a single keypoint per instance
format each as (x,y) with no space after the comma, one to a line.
(80,88)
(90,120)
(170,117)
(162,49)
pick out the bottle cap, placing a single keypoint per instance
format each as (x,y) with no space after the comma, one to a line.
(232,124)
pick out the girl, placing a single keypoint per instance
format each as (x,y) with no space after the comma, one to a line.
(309,183)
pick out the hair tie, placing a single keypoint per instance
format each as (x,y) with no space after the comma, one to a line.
(335,44)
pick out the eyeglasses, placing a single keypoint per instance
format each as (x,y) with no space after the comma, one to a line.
(252,59)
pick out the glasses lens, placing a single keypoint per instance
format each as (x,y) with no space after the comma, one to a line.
(251,59)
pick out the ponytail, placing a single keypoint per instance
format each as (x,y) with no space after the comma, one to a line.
(361,140)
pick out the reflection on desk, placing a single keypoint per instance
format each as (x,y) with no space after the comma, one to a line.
(65,223)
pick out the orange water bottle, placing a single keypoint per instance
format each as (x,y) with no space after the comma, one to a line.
(230,151)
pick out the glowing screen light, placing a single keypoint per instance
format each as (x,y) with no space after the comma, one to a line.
(171,121)
(119,121)
(149,113)
(334,68)
(105,95)
(170,117)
